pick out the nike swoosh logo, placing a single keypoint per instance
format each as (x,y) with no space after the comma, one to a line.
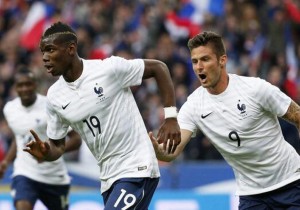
(204,116)
(64,107)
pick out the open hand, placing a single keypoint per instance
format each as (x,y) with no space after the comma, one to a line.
(154,142)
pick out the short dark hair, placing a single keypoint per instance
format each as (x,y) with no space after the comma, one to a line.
(24,70)
(205,38)
(65,32)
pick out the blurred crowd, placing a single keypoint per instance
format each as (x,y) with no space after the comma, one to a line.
(262,39)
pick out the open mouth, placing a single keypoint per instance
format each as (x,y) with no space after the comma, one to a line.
(202,76)
(49,68)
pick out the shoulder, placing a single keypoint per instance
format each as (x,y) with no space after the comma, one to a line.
(41,99)
(14,102)
(11,105)
(196,94)
(116,60)
(111,63)
(245,79)
(91,62)
(109,60)
(257,88)
(245,82)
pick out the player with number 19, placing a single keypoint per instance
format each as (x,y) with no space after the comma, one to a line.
(240,117)
(95,99)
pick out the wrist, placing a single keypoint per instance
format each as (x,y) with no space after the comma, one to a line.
(170,112)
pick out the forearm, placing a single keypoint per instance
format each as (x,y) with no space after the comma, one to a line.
(73,142)
(57,149)
(166,87)
(11,153)
(293,115)
(9,157)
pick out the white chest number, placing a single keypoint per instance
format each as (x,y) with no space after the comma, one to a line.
(129,199)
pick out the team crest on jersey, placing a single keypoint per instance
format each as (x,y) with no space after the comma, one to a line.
(242,109)
(100,92)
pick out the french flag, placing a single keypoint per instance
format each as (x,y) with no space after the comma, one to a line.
(37,20)
(292,10)
(187,21)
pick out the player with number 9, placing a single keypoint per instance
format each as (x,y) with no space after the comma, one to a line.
(240,117)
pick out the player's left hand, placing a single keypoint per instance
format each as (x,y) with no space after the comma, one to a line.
(169,135)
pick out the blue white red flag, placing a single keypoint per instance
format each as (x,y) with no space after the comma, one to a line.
(37,20)
(187,21)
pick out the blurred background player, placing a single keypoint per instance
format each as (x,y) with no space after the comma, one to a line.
(32,179)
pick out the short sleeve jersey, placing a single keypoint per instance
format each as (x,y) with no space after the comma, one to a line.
(242,124)
(21,119)
(100,106)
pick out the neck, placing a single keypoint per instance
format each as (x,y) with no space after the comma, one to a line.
(28,103)
(75,71)
(221,85)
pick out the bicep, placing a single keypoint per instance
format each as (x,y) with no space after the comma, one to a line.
(293,114)
(153,68)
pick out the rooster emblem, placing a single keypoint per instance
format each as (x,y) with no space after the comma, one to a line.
(241,107)
(98,91)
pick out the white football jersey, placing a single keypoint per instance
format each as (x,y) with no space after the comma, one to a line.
(242,124)
(21,119)
(100,106)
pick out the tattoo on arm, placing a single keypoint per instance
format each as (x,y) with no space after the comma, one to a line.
(293,114)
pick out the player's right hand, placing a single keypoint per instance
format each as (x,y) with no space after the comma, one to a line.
(37,148)
(161,153)
(169,135)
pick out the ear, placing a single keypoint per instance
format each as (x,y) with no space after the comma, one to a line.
(72,48)
(223,60)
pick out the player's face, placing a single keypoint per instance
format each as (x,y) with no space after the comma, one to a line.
(56,56)
(26,89)
(209,70)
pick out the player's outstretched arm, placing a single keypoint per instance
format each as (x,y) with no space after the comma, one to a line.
(49,150)
(169,131)
(162,154)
